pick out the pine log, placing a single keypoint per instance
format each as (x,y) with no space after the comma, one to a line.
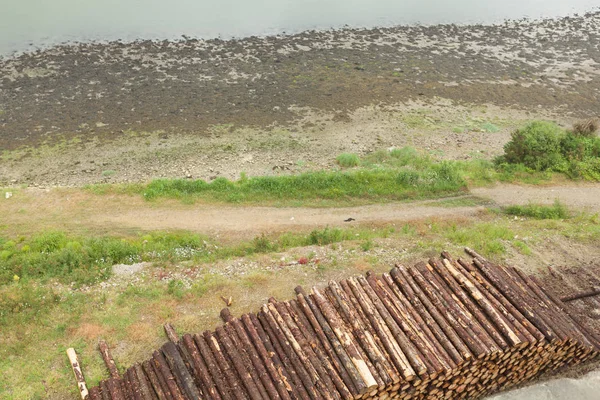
(368,380)
(162,368)
(245,356)
(595,291)
(492,313)
(238,363)
(450,339)
(181,373)
(304,354)
(226,315)
(533,333)
(235,386)
(201,370)
(76,367)
(322,327)
(287,351)
(171,333)
(516,299)
(405,321)
(108,359)
(256,360)
(133,384)
(280,380)
(145,386)
(430,330)
(404,354)
(383,371)
(313,343)
(94,393)
(151,374)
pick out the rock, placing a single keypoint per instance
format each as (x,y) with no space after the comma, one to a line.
(8,195)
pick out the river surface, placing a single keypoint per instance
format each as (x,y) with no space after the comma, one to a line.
(29,24)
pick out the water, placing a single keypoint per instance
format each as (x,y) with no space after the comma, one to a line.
(28,24)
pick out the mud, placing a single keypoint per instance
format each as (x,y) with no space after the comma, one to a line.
(100,90)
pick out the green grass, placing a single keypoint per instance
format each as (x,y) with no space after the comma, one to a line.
(538,211)
(348,160)
(367,184)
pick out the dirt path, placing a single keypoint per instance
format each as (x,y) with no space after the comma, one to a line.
(583,196)
(78,211)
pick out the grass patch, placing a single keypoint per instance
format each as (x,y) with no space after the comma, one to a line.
(538,211)
(368,184)
(348,160)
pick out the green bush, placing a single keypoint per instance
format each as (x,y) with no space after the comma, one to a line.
(537,146)
(347,160)
(543,147)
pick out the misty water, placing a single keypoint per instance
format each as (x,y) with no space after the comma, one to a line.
(28,24)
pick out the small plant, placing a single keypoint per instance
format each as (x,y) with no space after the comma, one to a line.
(490,128)
(367,245)
(348,160)
(176,288)
(537,211)
(108,172)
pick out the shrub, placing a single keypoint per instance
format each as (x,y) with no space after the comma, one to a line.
(347,160)
(537,146)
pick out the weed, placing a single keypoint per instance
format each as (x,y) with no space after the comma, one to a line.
(556,211)
(348,160)
(367,245)
(108,172)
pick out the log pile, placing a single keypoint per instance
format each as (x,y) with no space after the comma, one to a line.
(445,329)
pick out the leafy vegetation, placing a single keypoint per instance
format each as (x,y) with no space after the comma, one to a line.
(545,147)
(347,160)
(556,211)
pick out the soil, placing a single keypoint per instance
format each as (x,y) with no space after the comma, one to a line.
(114,112)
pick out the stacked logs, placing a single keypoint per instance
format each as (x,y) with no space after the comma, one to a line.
(445,329)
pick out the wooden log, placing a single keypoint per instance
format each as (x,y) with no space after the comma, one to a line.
(368,380)
(94,393)
(458,310)
(370,346)
(156,385)
(279,379)
(240,366)
(591,336)
(447,310)
(405,321)
(171,333)
(162,368)
(235,386)
(404,354)
(449,338)
(276,334)
(363,336)
(418,321)
(533,334)
(331,341)
(569,325)
(76,367)
(256,360)
(226,315)
(492,313)
(145,386)
(105,393)
(108,359)
(201,370)
(320,379)
(473,305)
(516,299)
(321,356)
(595,291)
(133,384)
(216,371)
(181,373)
(244,354)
